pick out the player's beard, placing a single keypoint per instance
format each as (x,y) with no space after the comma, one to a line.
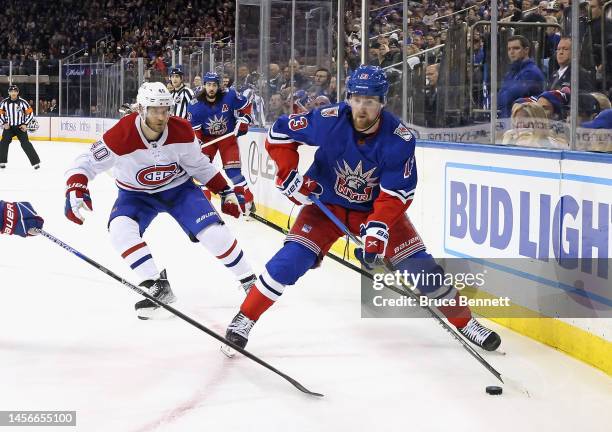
(365,124)
(211,97)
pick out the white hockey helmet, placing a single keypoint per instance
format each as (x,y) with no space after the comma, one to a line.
(153,94)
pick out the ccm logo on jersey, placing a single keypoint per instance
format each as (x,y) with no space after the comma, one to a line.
(157,175)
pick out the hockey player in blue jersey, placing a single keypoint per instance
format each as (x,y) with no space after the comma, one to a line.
(364,170)
(215,112)
(19,218)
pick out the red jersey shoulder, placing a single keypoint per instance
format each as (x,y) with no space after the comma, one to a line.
(123,138)
(179,131)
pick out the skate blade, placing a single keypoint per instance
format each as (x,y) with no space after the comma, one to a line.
(228,351)
(158,313)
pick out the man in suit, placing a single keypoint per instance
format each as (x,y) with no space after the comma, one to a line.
(562,76)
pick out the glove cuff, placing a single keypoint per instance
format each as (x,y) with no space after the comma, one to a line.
(76,182)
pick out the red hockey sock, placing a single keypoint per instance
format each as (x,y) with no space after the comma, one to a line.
(255,304)
(207,194)
(457,315)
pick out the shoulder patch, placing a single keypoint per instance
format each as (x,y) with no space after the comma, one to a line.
(193,101)
(403,132)
(329,112)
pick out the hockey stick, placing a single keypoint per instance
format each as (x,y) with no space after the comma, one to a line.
(409,292)
(216,140)
(176,312)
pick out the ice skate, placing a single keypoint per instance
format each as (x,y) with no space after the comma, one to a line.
(160,290)
(480,335)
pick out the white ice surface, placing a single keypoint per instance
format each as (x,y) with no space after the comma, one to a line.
(69,340)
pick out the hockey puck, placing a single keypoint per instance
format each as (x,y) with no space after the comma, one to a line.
(494,390)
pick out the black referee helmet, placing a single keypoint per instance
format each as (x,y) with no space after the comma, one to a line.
(13,87)
(176,71)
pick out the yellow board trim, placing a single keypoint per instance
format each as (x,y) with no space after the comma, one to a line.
(558,334)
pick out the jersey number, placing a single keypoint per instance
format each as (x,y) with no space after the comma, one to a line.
(295,124)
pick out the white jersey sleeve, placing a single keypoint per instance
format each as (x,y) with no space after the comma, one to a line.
(98,159)
(197,164)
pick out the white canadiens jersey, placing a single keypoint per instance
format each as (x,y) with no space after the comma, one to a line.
(143,166)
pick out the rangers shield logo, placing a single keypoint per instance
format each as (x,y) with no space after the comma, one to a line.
(355,185)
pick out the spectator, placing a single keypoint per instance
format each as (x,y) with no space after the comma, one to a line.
(52,110)
(322,79)
(275,78)
(555,103)
(276,106)
(603,120)
(590,105)
(530,128)
(523,79)
(431,94)
(197,82)
(562,76)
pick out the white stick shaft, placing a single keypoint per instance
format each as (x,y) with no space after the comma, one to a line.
(216,140)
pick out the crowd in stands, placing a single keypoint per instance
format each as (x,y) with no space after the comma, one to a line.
(136,28)
(49,31)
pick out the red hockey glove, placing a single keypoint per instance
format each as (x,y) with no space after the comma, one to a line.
(77,198)
(298,188)
(229,203)
(243,125)
(375,236)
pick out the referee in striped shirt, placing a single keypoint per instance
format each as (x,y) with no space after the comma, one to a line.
(182,94)
(15,114)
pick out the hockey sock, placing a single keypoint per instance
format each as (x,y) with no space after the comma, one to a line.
(429,279)
(457,315)
(220,242)
(261,296)
(126,239)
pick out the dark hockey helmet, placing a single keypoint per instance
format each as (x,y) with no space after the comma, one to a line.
(368,80)
(176,71)
(13,87)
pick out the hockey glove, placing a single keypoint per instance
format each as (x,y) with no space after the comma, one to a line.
(77,198)
(375,236)
(298,188)
(18,218)
(245,198)
(229,202)
(243,123)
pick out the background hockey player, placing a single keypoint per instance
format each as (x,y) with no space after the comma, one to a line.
(155,156)
(15,116)
(19,218)
(364,170)
(180,92)
(214,113)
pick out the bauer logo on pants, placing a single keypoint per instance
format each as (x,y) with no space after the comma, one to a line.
(157,175)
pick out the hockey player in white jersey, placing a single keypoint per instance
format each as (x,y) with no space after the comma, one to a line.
(154,157)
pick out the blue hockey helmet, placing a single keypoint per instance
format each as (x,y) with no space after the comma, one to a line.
(212,77)
(368,80)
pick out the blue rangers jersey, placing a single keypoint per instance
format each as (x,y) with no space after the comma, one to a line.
(219,118)
(352,168)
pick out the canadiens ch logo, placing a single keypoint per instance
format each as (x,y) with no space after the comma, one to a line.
(216,125)
(354,184)
(157,175)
